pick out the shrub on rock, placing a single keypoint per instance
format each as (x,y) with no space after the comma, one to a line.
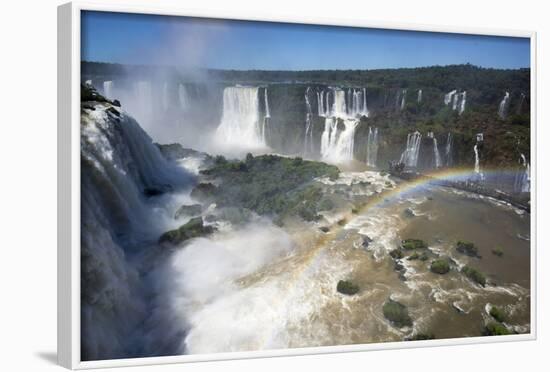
(440,266)
(346,287)
(192,229)
(397,314)
(474,275)
(467,248)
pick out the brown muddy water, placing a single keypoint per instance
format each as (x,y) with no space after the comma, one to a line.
(290,300)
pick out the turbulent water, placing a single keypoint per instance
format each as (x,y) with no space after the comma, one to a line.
(409,157)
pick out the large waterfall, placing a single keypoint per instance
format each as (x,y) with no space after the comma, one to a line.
(503,106)
(119,164)
(523,176)
(409,157)
(437,156)
(372,147)
(337,145)
(308,138)
(108,89)
(449,150)
(240,123)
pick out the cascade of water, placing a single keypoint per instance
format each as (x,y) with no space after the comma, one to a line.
(183,97)
(503,106)
(89,83)
(266,117)
(308,140)
(337,146)
(462,105)
(477,169)
(455,101)
(449,150)
(409,157)
(520,105)
(365,108)
(523,176)
(437,156)
(239,125)
(448,97)
(419,99)
(372,147)
(108,89)
(339,106)
(119,162)
(403,98)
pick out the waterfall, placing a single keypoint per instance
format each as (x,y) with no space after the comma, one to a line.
(372,147)
(183,97)
(448,97)
(455,101)
(266,117)
(337,145)
(108,89)
(365,110)
(308,140)
(239,125)
(409,157)
(403,97)
(449,150)
(503,106)
(419,99)
(118,162)
(477,169)
(339,106)
(89,83)
(520,105)
(437,157)
(462,105)
(523,176)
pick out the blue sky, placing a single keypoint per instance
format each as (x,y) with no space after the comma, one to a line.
(243,45)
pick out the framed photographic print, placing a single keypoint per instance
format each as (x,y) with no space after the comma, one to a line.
(240,186)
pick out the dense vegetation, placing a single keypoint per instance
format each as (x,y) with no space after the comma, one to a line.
(346,287)
(269,185)
(397,314)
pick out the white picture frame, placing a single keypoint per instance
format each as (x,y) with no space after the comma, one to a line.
(69,186)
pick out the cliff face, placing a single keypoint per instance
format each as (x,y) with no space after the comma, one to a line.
(120,167)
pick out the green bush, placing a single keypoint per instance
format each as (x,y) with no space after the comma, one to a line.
(347,287)
(498,252)
(440,266)
(467,248)
(420,337)
(409,244)
(496,313)
(474,275)
(397,314)
(495,329)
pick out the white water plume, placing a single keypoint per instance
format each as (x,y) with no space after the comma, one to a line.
(477,168)
(240,122)
(403,98)
(503,106)
(437,156)
(336,102)
(308,138)
(372,147)
(108,89)
(337,145)
(523,176)
(409,157)
(449,97)
(419,99)
(449,150)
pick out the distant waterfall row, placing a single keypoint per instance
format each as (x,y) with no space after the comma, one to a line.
(456,100)
(342,104)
